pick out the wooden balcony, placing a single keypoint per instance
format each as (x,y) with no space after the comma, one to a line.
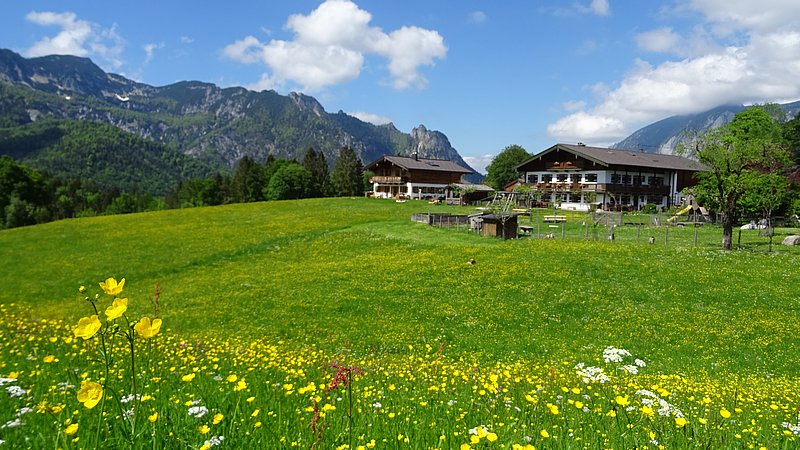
(387,180)
(601,187)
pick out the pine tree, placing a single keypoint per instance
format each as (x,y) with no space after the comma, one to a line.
(346,179)
(316,165)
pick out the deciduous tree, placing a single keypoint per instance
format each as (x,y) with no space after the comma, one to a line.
(503,168)
(738,157)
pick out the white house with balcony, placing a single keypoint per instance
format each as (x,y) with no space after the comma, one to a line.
(580,177)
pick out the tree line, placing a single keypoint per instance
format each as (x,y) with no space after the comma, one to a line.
(29,196)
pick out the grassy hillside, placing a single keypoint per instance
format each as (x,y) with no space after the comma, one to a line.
(357,274)
(339,324)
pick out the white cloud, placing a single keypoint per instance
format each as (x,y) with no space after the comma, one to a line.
(330,45)
(574,105)
(599,7)
(186,40)
(149,49)
(477,17)
(77,37)
(479,163)
(69,41)
(374,119)
(659,40)
(760,62)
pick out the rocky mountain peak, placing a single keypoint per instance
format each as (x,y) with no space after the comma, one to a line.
(307,103)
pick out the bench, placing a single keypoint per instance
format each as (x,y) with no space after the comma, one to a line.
(555,218)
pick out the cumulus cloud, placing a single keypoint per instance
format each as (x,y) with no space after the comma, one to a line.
(77,37)
(186,40)
(330,45)
(374,119)
(762,66)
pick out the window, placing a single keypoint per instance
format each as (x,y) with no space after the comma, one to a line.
(627,180)
(655,181)
(625,200)
(547,178)
(654,199)
(638,180)
(616,178)
(562,177)
(576,177)
(533,178)
(591,178)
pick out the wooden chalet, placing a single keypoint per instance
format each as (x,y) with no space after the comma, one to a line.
(581,178)
(414,177)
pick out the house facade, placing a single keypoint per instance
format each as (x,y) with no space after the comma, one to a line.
(580,177)
(414,177)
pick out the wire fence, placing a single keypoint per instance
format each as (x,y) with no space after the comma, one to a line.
(634,228)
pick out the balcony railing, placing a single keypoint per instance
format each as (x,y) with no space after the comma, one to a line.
(601,187)
(387,180)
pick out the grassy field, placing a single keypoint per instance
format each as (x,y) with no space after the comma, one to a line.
(276,292)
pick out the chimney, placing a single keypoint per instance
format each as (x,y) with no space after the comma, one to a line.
(416,156)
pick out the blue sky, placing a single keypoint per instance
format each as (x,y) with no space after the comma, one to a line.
(487,74)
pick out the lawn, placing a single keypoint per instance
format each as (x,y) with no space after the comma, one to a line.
(275,292)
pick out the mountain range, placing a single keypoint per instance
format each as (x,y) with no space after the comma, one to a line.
(214,126)
(195,129)
(665,135)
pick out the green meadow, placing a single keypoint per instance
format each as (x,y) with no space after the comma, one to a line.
(357,274)
(357,281)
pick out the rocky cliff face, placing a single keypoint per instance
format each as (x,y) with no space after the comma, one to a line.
(215,125)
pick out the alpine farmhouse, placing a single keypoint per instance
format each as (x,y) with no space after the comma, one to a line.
(414,177)
(582,178)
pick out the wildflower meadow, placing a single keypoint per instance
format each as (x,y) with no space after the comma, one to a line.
(339,324)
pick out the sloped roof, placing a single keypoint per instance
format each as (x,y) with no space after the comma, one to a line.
(408,163)
(476,187)
(617,157)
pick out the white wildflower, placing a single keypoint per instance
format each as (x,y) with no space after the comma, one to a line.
(630,368)
(15,391)
(198,411)
(13,423)
(613,354)
(591,374)
(24,410)
(639,362)
(215,440)
(4,381)
(377,405)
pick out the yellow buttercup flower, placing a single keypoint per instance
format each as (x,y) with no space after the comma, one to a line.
(146,328)
(217,418)
(87,327)
(153,417)
(72,429)
(117,308)
(680,422)
(111,287)
(90,393)
(724,413)
(187,378)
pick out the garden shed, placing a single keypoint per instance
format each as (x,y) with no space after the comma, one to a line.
(502,225)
